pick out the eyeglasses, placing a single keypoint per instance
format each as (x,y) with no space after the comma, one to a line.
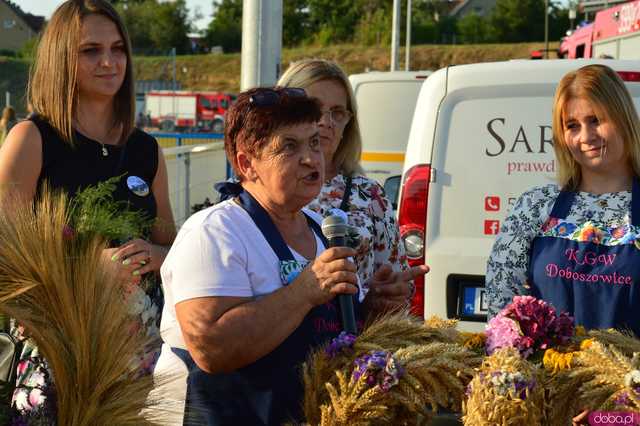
(338,116)
(271,97)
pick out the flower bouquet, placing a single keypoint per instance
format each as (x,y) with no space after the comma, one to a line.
(540,369)
(398,371)
(529,325)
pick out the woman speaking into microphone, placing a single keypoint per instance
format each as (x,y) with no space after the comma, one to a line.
(249,285)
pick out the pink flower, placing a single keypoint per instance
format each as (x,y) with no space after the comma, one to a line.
(502,332)
(537,324)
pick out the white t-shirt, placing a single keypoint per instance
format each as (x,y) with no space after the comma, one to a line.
(219,251)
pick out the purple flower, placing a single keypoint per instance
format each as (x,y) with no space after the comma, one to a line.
(378,368)
(509,384)
(622,399)
(338,344)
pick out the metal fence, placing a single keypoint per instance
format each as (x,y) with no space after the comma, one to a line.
(195,161)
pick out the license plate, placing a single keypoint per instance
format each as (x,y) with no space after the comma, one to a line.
(474,301)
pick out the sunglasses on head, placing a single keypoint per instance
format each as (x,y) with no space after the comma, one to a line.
(271,97)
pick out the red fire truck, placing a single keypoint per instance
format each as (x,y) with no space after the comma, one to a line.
(614,34)
(183,110)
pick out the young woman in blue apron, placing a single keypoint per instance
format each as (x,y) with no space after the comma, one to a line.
(577,244)
(249,286)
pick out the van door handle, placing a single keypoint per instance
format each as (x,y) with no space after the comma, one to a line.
(432,176)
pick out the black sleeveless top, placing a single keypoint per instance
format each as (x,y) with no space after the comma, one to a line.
(75,168)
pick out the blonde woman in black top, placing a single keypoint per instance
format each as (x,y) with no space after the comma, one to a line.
(82,132)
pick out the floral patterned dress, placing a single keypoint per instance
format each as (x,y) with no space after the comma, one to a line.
(603,217)
(34,394)
(370,212)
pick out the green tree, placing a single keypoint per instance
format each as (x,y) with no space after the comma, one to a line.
(226,27)
(171,27)
(431,23)
(156,27)
(473,28)
(518,20)
(333,21)
(295,22)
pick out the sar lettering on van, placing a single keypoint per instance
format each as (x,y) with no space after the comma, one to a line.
(496,136)
(524,140)
(543,140)
(521,142)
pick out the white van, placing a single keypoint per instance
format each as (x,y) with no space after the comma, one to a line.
(386,102)
(480,137)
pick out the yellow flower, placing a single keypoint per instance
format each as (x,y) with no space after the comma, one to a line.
(473,340)
(555,361)
(586,344)
(580,330)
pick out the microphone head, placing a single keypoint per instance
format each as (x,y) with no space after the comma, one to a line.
(335,226)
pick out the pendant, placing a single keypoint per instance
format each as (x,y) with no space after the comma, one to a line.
(105,153)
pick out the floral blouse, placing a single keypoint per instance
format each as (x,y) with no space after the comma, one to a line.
(34,395)
(604,218)
(370,212)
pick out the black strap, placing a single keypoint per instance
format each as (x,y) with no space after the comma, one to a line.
(344,206)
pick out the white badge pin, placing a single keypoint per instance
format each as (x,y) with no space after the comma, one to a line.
(138,186)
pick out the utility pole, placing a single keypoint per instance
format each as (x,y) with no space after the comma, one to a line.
(395,35)
(407,51)
(546,29)
(261,43)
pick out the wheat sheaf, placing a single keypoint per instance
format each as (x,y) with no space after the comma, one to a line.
(58,287)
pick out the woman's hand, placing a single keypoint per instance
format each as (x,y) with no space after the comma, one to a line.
(329,274)
(135,258)
(389,290)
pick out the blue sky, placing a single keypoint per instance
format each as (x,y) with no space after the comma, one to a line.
(46,8)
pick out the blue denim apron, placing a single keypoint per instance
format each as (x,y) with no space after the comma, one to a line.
(596,283)
(269,391)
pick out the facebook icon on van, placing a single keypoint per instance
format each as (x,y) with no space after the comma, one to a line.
(491,227)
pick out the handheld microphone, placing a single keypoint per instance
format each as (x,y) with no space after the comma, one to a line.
(335,229)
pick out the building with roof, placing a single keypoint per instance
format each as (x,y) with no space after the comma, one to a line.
(461,8)
(16,26)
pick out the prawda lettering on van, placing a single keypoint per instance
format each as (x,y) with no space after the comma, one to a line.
(536,140)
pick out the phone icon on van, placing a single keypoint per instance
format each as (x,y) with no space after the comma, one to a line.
(492,203)
(491,227)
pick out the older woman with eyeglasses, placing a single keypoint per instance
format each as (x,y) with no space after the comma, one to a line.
(380,260)
(249,285)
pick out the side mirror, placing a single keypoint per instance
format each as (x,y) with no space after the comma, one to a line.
(392,189)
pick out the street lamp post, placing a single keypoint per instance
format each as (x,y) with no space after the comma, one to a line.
(546,29)
(407,51)
(395,35)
